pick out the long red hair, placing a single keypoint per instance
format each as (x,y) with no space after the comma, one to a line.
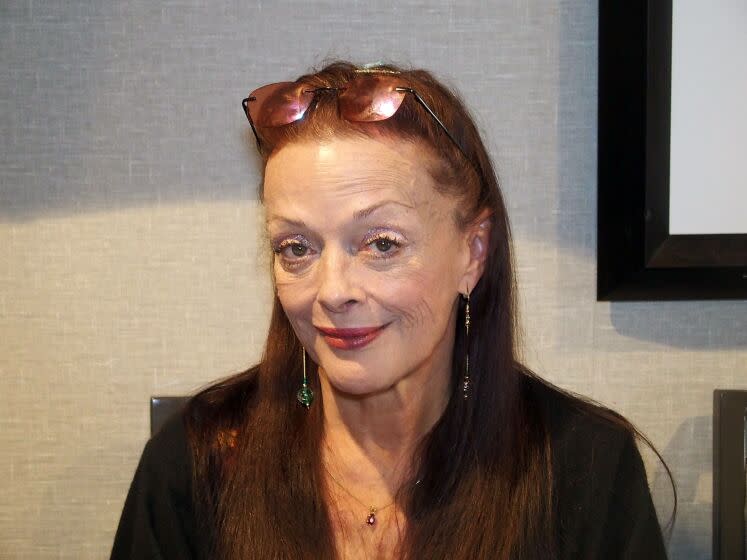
(486,486)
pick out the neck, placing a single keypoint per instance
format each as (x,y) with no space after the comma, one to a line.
(370,439)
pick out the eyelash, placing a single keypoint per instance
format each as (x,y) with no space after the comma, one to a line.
(384,237)
(290,263)
(298,261)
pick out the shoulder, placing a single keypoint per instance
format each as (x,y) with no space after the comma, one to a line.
(603,506)
(587,440)
(221,407)
(158,518)
(579,428)
(168,448)
(576,422)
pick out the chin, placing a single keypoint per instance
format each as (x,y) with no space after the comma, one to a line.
(356,380)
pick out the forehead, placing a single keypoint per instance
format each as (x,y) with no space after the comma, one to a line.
(346,169)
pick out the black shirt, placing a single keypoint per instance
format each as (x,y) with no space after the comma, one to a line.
(603,504)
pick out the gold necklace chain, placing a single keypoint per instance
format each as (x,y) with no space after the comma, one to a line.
(372,510)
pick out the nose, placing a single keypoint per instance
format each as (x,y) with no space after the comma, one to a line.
(338,287)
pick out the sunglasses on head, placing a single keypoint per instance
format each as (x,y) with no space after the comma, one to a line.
(369,97)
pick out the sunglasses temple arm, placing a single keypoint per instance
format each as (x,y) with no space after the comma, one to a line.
(256,136)
(245,105)
(435,117)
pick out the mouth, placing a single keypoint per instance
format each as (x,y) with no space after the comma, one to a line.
(350,339)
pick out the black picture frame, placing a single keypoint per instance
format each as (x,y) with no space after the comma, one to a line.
(637,257)
(729,485)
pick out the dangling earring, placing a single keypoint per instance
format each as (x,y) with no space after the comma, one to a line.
(305,395)
(466,382)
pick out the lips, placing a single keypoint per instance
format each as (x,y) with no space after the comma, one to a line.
(349,339)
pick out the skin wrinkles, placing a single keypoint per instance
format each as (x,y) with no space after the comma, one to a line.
(379,400)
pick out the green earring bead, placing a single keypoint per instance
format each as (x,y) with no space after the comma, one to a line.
(305,395)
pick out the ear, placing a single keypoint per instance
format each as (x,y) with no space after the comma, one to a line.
(477,238)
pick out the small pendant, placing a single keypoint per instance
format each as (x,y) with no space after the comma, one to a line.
(371,519)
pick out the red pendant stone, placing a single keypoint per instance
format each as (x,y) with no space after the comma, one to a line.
(371,519)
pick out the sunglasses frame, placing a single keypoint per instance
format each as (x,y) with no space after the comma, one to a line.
(316,91)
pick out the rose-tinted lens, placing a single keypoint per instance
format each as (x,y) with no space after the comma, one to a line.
(371,98)
(279,104)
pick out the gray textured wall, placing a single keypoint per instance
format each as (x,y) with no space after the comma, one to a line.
(129,256)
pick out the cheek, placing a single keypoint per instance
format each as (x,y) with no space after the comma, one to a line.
(421,300)
(296,297)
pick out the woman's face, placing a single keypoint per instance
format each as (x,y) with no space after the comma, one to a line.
(368,260)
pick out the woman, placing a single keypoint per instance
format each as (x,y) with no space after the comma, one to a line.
(389,416)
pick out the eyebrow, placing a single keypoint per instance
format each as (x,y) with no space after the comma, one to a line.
(360,214)
(357,215)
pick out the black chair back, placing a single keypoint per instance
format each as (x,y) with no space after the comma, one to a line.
(729,474)
(161,408)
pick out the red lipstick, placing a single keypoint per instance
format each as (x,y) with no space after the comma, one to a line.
(350,339)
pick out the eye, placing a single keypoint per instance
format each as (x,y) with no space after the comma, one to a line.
(384,245)
(292,251)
